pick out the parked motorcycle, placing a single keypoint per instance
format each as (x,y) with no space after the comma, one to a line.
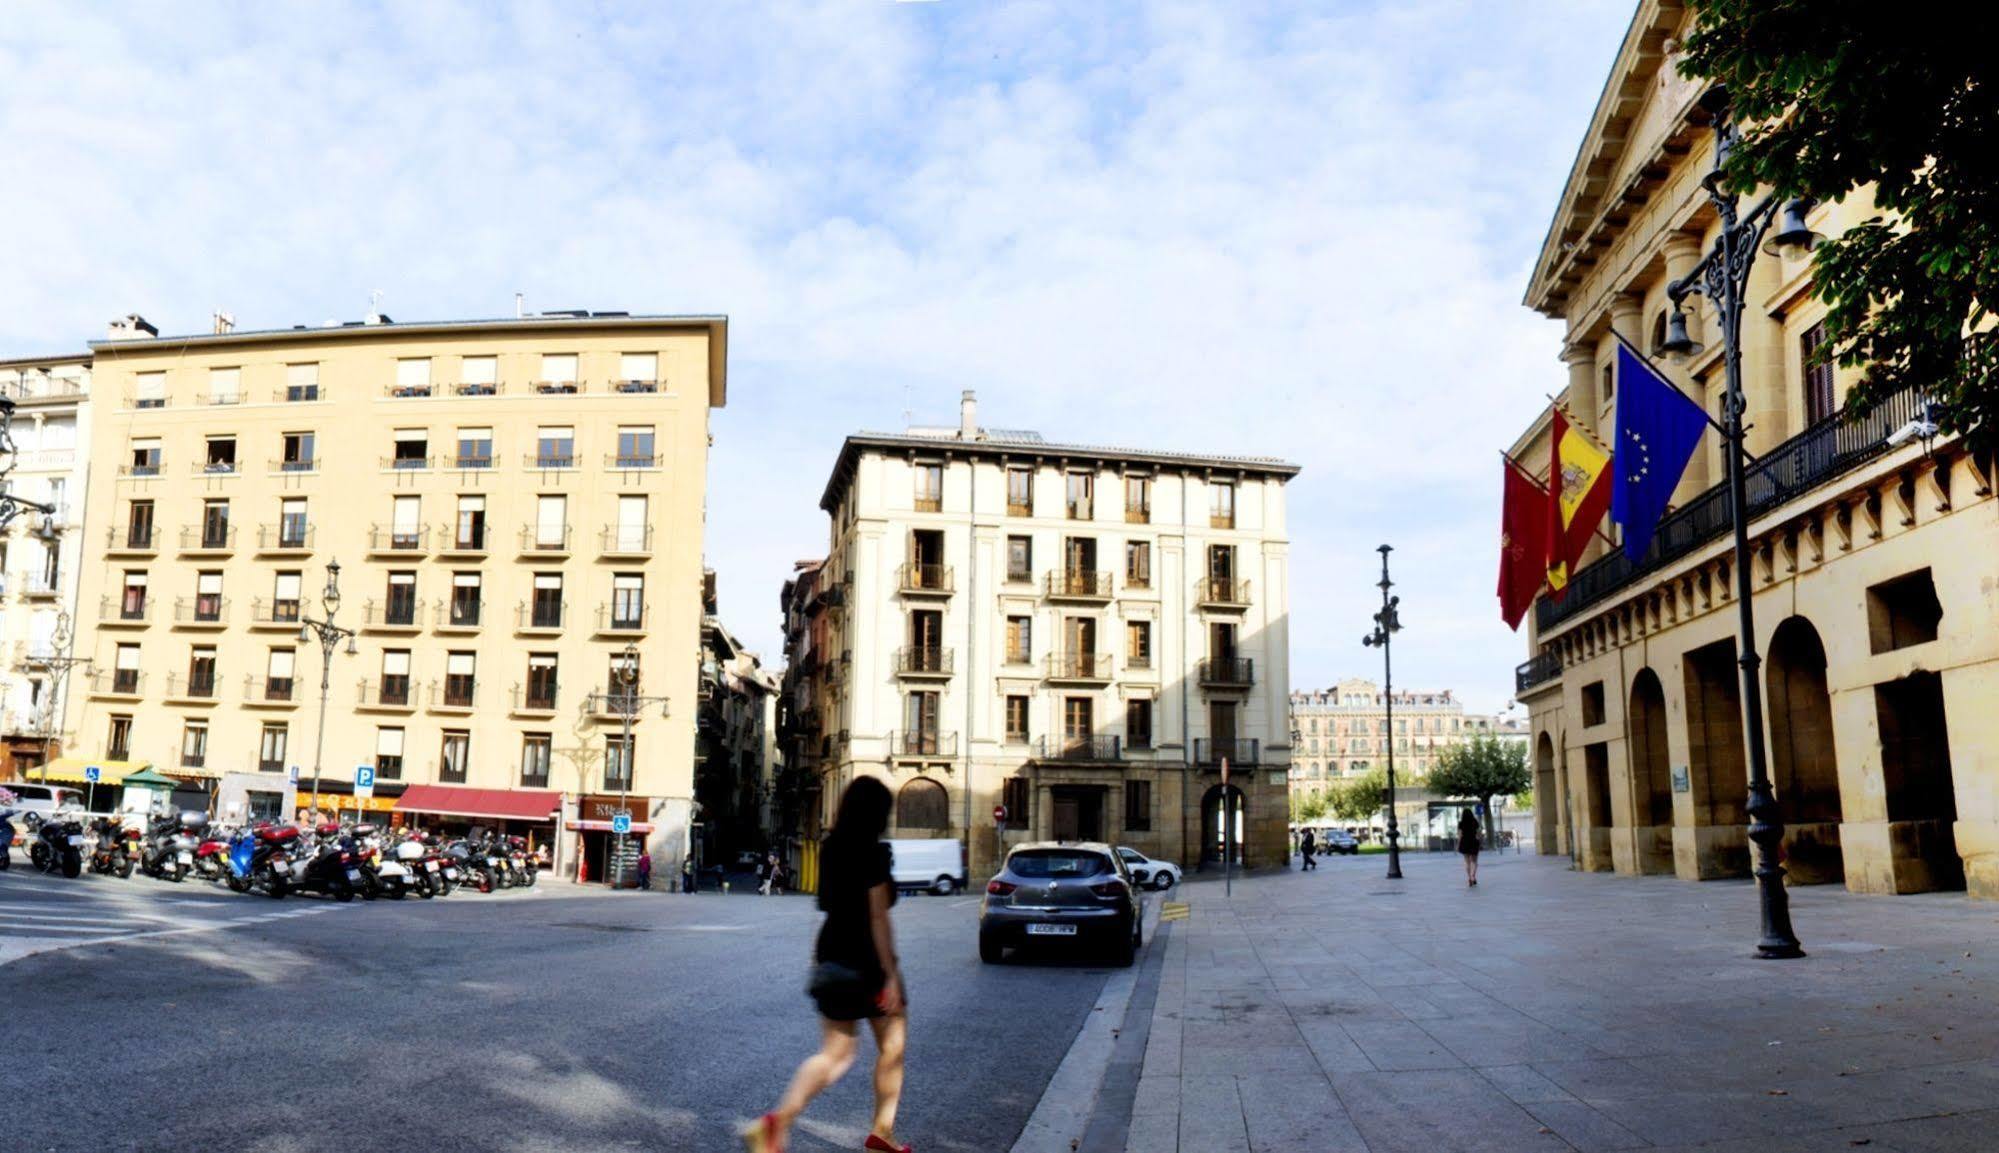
(59,844)
(331,868)
(7,812)
(211,855)
(260,859)
(169,845)
(114,848)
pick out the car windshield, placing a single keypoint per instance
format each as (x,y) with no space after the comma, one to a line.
(1055,863)
(1131,854)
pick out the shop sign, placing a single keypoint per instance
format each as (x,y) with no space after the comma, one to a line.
(606,808)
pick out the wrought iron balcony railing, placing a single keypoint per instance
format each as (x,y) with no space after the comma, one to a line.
(932,579)
(1076,584)
(1079,666)
(1210,752)
(923,662)
(1537,670)
(924,743)
(1090,748)
(1228,672)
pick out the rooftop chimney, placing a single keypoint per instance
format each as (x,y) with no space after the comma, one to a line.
(968,415)
(130,326)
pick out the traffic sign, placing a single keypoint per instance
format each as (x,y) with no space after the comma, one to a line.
(621,824)
(92,773)
(999,814)
(291,775)
(364,781)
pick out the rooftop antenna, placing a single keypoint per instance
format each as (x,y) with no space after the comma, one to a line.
(374,303)
(520,305)
(908,415)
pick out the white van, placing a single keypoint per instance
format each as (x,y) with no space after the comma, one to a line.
(936,864)
(35,802)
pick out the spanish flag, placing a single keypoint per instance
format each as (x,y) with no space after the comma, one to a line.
(1578,495)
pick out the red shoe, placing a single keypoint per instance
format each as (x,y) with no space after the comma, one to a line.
(760,1135)
(880,1146)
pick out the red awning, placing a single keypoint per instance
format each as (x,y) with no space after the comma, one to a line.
(495,804)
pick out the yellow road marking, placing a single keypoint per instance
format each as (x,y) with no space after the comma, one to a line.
(1173,911)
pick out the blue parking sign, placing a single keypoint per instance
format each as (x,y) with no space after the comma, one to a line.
(364,781)
(92,773)
(621,824)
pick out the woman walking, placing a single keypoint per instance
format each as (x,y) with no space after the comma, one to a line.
(1468,846)
(856,977)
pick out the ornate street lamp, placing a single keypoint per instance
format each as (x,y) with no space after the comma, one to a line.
(329,636)
(626,700)
(1387,623)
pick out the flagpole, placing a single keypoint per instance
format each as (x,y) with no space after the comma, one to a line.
(1712,423)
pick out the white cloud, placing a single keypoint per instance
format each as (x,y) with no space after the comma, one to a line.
(1247,228)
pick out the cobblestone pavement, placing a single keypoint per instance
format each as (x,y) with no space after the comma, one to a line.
(1553,1010)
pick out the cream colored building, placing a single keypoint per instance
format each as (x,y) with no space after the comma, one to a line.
(40,556)
(1083,635)
(1872,554)
(512,503)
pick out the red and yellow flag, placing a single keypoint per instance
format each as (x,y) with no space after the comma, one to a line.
(1523,545)
(1578,496)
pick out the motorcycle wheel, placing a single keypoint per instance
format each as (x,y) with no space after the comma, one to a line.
(124,868)
(276,888)
(72,864)
(237,884)
(176,875)
(532,872)
(341,891)
(38,856)
(425,887)
(5,854)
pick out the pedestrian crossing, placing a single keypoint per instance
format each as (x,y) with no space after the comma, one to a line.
(41,913)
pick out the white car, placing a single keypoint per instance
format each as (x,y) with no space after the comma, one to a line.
(35,803)
(1148,873)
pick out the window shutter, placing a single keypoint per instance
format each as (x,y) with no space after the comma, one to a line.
(413,372)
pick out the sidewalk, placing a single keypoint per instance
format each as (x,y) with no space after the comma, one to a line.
(1552,1010)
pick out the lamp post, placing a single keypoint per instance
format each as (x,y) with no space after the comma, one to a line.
(1722,275)
(628,703)
(1387,623)
(58,661)
(329,636)
(11,507)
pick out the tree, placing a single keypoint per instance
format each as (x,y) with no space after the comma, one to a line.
(1359,798)
(1307,807)
(1483,767)
(1837,96)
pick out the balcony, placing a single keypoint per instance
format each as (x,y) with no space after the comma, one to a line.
(409,391)
(535,700)
(613,705)
(217,467)
(1078,586)
(1227,673)
(553,460)
(472,461)
(923,743)
(141,469)
(544,540)
(388,695)
(539,619)
(132,540)
(1210,752)
(1079,666)
(397,615)
(557,387)
(274,614)
(201,612)
(410,462)
(1086,750)
(925,579)
(298,393)
(294,464)
(631,461)
(631,386)
(1221,593)
(456,616)
(462,541)
(622,620)
(621,541)
(40,586)
(1541,669)
(269,692)
(191,690)
(413,540)
(208,539)
(123,684)
(923,662)
(478,388)
(124,612)
(278,539)
(454,695)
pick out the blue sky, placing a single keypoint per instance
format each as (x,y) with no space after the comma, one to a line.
(1299,230)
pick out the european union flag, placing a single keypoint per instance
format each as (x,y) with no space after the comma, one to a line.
(1657,429)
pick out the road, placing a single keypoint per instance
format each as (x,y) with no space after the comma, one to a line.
(557,1019)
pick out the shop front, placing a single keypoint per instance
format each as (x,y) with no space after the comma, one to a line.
(458,811)
(336,801)
(603,855)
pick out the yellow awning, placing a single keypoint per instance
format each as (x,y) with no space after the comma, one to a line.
(69,770)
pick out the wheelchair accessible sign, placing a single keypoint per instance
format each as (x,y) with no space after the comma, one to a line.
(621,824)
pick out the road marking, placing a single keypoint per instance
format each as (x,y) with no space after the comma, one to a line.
(1173,911)
(966,901)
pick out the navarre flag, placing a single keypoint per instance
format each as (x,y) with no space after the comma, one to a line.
(1657,429)
(1523,545)
(1578,494)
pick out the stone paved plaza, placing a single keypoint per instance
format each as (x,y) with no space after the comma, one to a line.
(1554,1010)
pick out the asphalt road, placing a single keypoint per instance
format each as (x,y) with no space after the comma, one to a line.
(548,1020)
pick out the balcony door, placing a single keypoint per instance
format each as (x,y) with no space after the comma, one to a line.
(1078,722)
(1221,642)
(1079,638)
(1079,557)
(926,640)
(920,722)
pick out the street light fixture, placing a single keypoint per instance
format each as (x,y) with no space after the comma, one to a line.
(1722,276)
(626,700)
(329,636)
(1387,623)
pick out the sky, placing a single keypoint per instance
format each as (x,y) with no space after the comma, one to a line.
(1298,230)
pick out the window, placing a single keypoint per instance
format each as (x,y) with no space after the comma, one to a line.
(638,372)
(1016,722)
(298,452)
(535,749)
(220,455)
(388,754)
(1078,719)
(401,606)
(278,675)
(547,607)
(619,752)
(1221,574)
(412,448)
(1819,378)
(1138,723)
(395,688)
(225,386)
(201,671)
(194,744)
(634,531)
(1081,488)
(465,599)
(628,601)
(146,456)
(413,376)
(1221,508)
(406,522)
(479,376)
(208,596)
(620,668)
(1138,644)
(1138,806)
(636,446)
(271,747)
(555,447)
(919,722)
(475,448)
(470,531)
(292,522)
(558,373)
(118,743)
(215,524)
(541,681)
(929,487)
(1138,564)
(139,524)
(1019,640)
(285,589)
(301,382)
(460,679)
(1014,794)
(150,390)
(125,673)
(1609,384)
(1020,560)
(1019,492)
(454,756)
(1138,500)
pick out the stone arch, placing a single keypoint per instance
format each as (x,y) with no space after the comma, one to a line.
(1213,804)
(922,805)
(1804,765)
(1718,768)
(1651,774)
(1546,799)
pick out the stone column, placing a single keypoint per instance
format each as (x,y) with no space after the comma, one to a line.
(1579,397)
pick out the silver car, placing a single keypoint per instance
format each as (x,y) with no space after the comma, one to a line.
(1064,894)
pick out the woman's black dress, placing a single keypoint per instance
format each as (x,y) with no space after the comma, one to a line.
(1468,835)
(846,873)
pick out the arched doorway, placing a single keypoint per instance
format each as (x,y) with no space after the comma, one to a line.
(1546,799)
(1916,780)
(1804,765)
(1718,767)
(1212,825)
(1651,775)
(921,806)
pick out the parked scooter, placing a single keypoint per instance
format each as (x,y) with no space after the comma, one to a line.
(114,848)
(260,858)
(170,843)
(59,843)
(330,869)
(7,811)
(211,856)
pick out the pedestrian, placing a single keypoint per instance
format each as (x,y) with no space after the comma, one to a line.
(768,869)
(777,875)
(1308,846)
(1468,846)
(855,977)
(645,870)
(687,882)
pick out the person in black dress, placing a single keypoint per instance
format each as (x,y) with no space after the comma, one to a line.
(1468,845)
(856,977)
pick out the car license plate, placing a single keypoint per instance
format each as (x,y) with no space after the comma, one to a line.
(76,840)
(430,866)
(187,858)
(1051,930)
(354,874)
